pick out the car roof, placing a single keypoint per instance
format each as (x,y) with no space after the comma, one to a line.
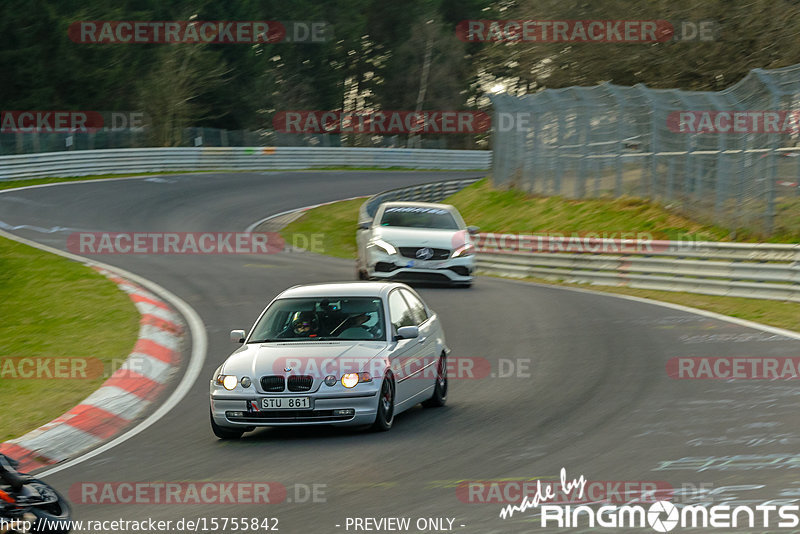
(400,203)
(342,289)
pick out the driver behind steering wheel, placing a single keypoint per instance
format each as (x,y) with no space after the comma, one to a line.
(304,324)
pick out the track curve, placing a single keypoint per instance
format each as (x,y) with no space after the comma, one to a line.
(597,399)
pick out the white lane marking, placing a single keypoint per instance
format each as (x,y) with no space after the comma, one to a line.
(195,366)
(687,309)
(73,182)
(287,212)
(5,226)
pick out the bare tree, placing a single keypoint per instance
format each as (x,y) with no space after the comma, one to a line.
(169,95)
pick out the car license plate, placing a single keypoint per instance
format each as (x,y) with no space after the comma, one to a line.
(424,264)
(286,403)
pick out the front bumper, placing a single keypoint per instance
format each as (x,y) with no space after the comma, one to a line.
(396,267)
(362,400)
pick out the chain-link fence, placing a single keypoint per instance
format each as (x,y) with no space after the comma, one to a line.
(727,157)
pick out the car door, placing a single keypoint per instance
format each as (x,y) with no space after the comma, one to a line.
(405,356)
(426,342)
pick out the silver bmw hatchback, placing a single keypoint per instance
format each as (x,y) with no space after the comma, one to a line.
(355,353)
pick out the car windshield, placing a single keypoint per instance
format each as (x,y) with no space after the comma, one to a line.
(321,319)
(418,217)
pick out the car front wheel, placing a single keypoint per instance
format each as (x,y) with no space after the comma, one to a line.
(224,432)
(439,397)
(385,416)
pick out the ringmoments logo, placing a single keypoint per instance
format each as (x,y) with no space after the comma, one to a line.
(660,516)
(663,516)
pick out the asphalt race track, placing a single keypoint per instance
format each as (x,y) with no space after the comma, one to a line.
(589,390)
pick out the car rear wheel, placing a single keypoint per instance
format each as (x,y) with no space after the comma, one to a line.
(439,397)
(385,416)
(224,432)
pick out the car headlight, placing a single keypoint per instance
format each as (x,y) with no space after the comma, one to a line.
(388,248)
(464,250)
(227,381)
(246,382)
(350,380)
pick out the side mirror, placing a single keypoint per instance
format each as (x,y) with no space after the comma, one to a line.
(407,332)
(473,230)
(237,336)
(364,225)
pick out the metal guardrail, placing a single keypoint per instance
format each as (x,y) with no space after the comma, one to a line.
(134,160)
(752,270)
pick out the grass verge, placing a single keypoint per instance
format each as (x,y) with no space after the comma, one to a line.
(511,211)
(332,227)
(55,308)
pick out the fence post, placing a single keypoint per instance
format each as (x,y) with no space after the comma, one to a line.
(769,215)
